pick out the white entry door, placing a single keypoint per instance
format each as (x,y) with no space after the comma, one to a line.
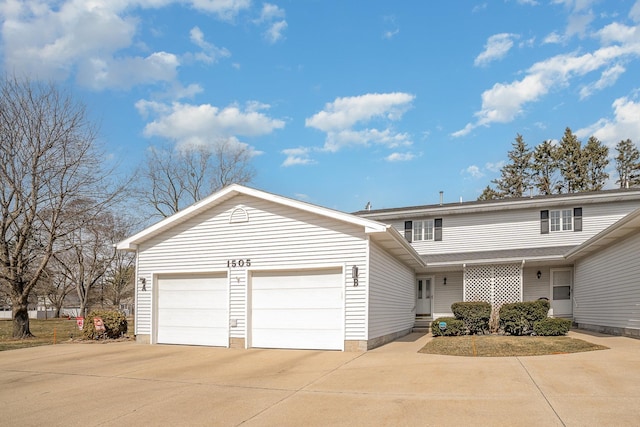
(424,296)
(561,292)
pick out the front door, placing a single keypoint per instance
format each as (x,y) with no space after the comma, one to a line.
(423,296)
(561,290)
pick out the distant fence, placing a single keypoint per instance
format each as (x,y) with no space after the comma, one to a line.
(33,314)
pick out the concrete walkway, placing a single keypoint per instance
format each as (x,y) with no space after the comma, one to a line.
(131,384)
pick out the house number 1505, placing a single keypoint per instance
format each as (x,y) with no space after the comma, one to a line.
(238,263)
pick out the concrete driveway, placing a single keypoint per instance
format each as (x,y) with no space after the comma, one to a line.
(132,384)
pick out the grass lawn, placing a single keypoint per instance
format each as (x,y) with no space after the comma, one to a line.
(64,329)
(44,330)
(501,345)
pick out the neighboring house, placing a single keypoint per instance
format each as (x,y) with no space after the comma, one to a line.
(246,268)
(505,250)
(607,270)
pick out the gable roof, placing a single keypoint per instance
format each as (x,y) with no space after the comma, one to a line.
(385,235)
(542,202)
(626,226)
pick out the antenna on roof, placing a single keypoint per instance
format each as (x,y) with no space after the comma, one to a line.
(368,207)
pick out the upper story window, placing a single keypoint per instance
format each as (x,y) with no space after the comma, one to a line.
(427,229)
(560,220)
(423,230)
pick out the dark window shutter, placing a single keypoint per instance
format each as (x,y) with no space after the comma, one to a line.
(577,219)
(437,229)
(544,222)
(408,231)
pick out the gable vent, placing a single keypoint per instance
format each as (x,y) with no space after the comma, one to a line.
(238,214)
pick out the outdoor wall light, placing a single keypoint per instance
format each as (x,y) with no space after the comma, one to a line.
(445,281)
(539,274)
(354,274)
(144,283)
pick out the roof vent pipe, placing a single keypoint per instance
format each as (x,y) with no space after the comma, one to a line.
(441,197)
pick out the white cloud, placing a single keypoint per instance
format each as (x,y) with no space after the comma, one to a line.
(494,167)
(340,118)
(201,124)
(60,38)
(273,17)
(496,47)
(474,171)
(345,112)
(624,125)
(634,13)
(505,101)
(210,52)
(390,20)
(607,79)
(297,156)
(400,157)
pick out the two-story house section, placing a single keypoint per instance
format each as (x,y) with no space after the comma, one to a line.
(505,250)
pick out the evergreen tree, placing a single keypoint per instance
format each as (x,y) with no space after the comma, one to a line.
(545,168)
(596,156)
(515,177)
(571,163)
(628,164)
(489,194)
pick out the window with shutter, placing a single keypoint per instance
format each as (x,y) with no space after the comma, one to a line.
(577,219)
(544,222)
(408,230)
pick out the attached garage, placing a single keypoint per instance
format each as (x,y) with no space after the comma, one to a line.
(193,310)
(301,309)
(244,268)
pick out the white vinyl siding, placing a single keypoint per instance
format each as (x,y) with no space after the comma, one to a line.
(391,294)
(275,236)
(607,286)
(515,229)
(534,288)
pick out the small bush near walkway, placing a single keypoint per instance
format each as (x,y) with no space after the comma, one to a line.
(114,322)
(453,327)
(552,326)
(518,318)
(474,314)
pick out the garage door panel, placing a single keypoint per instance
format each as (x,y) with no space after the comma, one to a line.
(299,339)
(315,319)
(181,299)
(297,309)
(193,310)
(298,298)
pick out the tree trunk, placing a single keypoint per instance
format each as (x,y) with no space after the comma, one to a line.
(21,319)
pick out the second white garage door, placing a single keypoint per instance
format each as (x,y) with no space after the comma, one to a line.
(297,309)
(193,310)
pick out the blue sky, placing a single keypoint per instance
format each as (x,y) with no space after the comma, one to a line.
(342,102)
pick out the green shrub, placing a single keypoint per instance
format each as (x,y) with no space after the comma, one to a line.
(552,326)
(115,325)
(454,327)
(518,318)
(474,314)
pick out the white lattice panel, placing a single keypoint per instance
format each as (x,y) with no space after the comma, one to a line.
(508,284)
(478,285)
(495,284)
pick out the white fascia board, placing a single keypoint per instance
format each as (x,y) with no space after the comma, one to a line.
(515,260)
(397,240)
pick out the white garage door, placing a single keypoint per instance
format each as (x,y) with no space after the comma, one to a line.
(297,309)
(193,310)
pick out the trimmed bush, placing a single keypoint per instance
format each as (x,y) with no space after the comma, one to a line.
(115,325)
(552,326)
(474,314)
(518,318)
(454,327)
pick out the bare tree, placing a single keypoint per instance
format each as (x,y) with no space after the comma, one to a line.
(48,159)
(172,179)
